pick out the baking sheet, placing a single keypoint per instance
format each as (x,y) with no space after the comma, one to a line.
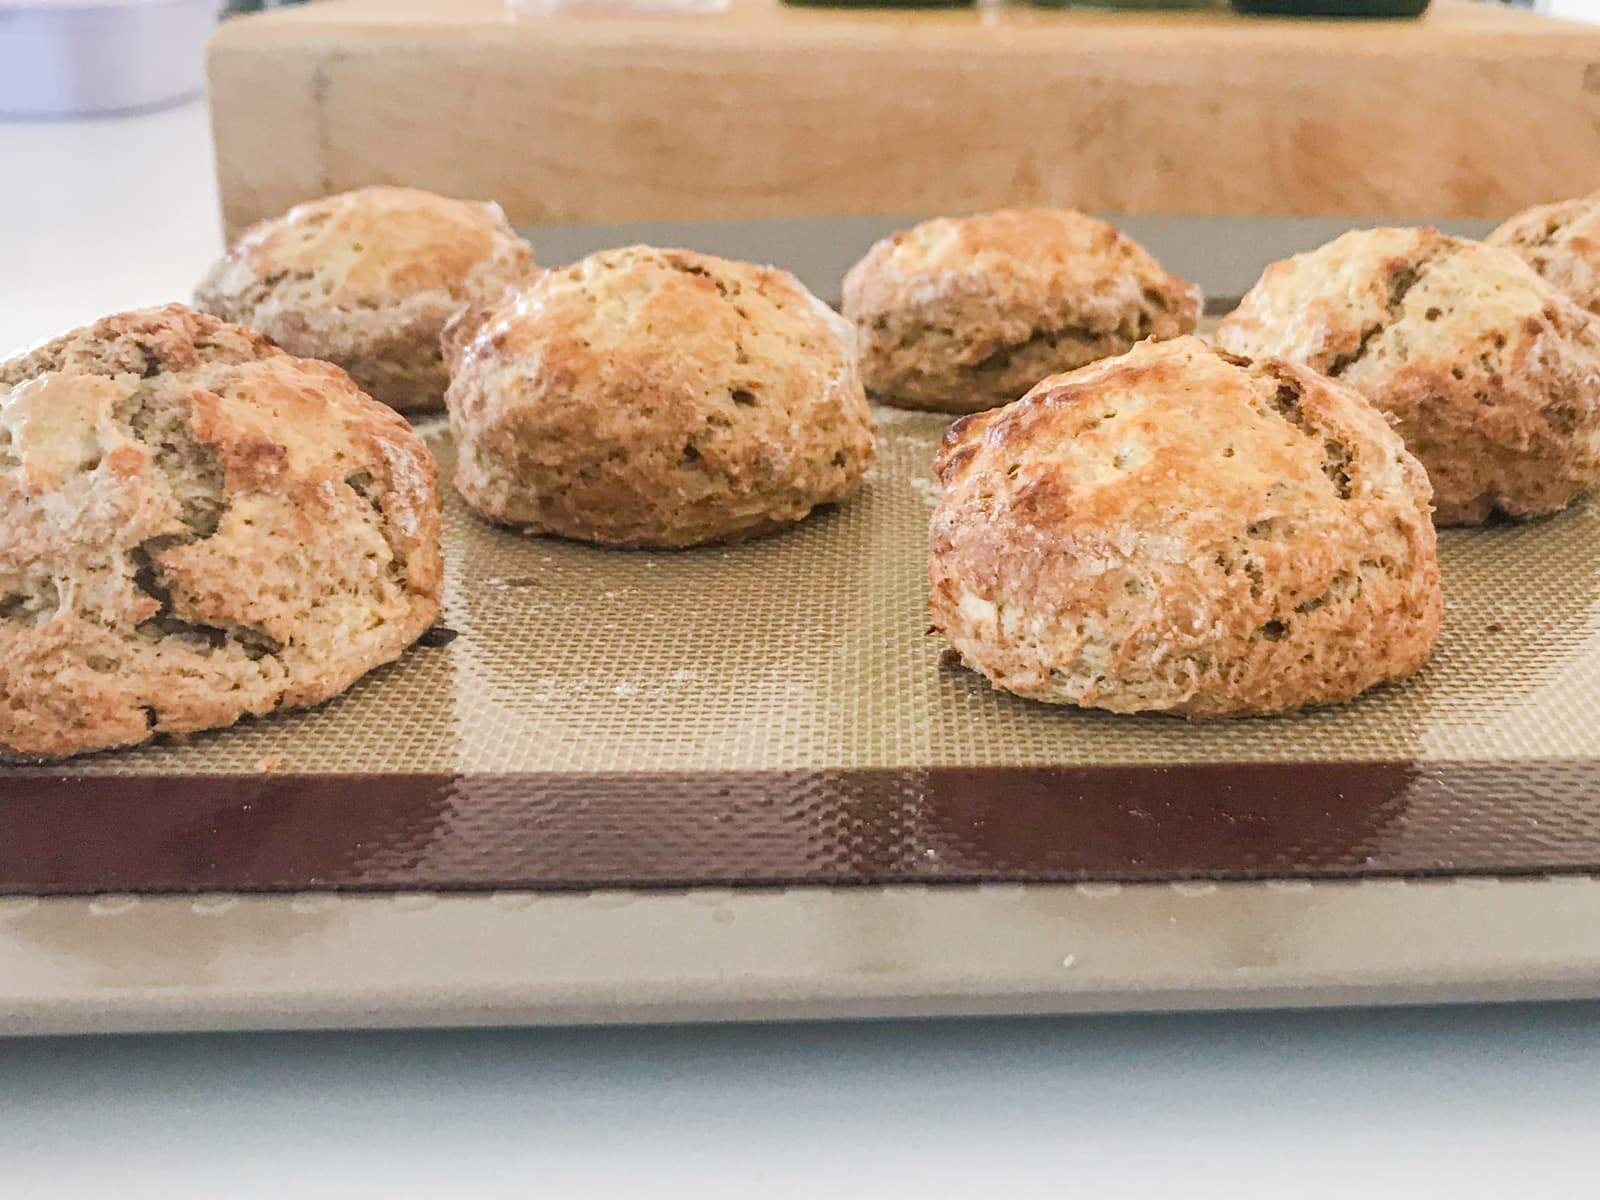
(626,790)
(774,713)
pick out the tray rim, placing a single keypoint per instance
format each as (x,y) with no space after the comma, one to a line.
(230,962)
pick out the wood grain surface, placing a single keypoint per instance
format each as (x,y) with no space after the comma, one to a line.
(1473,111)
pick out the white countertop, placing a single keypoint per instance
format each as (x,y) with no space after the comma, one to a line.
(103,215)
(98,216)
(1479,1102)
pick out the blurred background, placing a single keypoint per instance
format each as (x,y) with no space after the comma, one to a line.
(580,116)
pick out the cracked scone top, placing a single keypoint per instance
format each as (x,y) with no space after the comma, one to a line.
(196,526)
(367,279)
(1491,375)
(966,313)
(1562,243)
(1180,530)
(646,397)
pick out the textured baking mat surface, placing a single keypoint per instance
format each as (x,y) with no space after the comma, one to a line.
(774,713)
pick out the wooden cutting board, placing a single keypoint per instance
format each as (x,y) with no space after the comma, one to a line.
(1473,111)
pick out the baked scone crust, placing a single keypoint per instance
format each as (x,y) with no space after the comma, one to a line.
(646,397)
(960,314)
(366,280)
(1183,531)
(1562,243)
(1491,375)
(196,526)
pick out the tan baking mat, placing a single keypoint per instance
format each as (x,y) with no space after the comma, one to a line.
(807,651)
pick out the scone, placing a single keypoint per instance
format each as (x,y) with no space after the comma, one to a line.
(1490,374)
(1562,243)
(962,314)
(647,397)
(194,527)
(1180,530)
(367,280)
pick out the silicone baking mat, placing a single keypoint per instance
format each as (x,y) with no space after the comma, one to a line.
(774,713)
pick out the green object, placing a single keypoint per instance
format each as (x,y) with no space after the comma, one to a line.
(1333,8)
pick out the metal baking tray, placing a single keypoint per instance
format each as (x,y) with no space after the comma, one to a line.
(738,783)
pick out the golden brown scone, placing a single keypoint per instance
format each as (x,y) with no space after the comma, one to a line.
(1490,374)
(1562,243)
(1183,531)
(962,314)
(196,526)
(647,397)
(366,280)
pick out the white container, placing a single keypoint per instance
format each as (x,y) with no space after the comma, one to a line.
(63,58)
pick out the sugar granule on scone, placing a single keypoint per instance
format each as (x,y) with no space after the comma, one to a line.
(1179,530)
(960,314)
(1562,243)
(646,397)
(1491,375)
(366,280)
(195,527)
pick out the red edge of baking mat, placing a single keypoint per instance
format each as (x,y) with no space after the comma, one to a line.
(175,833)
